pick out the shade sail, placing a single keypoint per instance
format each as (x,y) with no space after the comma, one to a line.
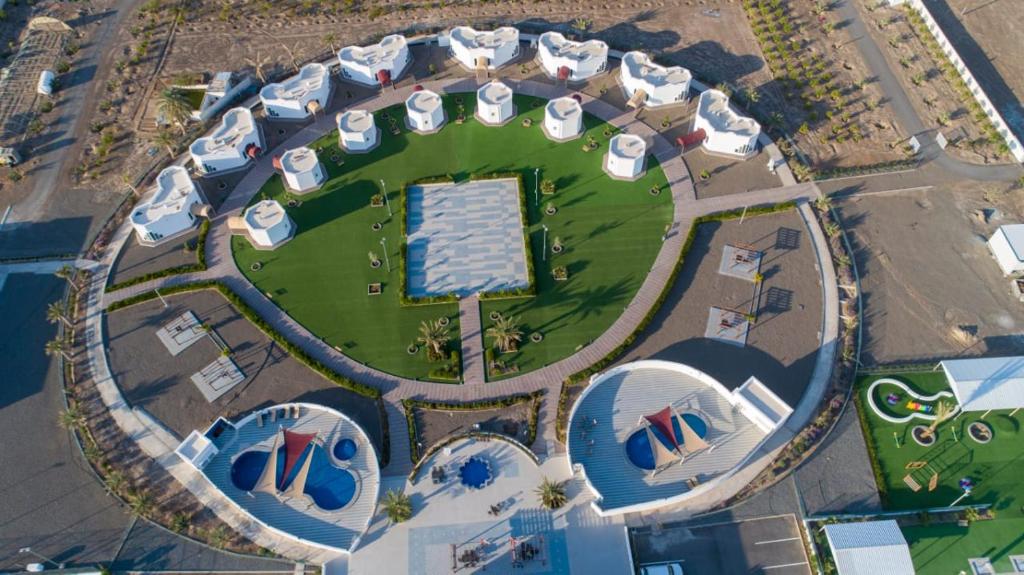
(663,422)
(294,445)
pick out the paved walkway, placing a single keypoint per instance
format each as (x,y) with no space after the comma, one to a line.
(474,364)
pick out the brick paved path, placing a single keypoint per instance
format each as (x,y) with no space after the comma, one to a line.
(473,362)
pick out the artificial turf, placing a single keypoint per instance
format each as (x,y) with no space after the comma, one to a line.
(944,549)
(611,231)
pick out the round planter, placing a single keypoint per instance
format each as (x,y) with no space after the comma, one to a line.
(377,226)
(980,431)
(256,266)
(919,434)
(536,337)
(411,350)
(556,249)
(550,211)
(375,264)
(293,203)
(527,122)
(280,131)
(222,185)
(443,320)
(495,316)
(654,191)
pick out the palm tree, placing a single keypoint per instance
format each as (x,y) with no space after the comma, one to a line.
(130,182)
(174,106)
(141,503)
(167,140)
(943,411)
(434,337)
(397,506)
(67,273)
(547,187)
(71,418)
(551,493)
(115,481)
(57,346)
(823,203)
(331,39)
(55,313)
(506,333)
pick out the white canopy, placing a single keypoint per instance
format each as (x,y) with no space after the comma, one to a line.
(981,384)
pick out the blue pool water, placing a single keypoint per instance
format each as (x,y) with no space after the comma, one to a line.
(638,447)
(330,487)
(345,449)
(475,473)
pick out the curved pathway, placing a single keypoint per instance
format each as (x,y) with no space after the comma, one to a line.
(686,209)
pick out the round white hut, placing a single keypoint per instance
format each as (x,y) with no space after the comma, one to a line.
(357,131)
(426,114)
(302,170)
(563,119)
(268,225)
(494,103)
(625,158)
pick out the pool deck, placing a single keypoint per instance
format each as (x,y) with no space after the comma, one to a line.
(339,530)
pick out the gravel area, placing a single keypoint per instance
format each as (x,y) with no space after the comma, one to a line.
(433,425)
(137,260)
(152,379)
(782,344)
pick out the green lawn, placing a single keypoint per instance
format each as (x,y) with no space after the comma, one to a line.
(995,468)
(944,549)
(611,231)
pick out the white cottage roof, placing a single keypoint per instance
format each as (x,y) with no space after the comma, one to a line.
(299,160)
(384,51)
(355,121)
(869,548)
(471,38)
(564,108)
(639,65)
(494,93)
(985,383)
(170,196)
(558,45)
(236,124)
(423,102)
(628,146)
(714,107)
(264,215)
(309,79)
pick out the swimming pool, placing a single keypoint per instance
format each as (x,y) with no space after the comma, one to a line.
(330,487)
(345,449)
(475,473)
(638,446)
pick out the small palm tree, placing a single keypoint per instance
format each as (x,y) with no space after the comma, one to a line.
(551,493)
(174,106)
(331,39)
(55,313)
(57,346)
(71,418)
(130,182)
(67,273)
(115,481)
(167,140)
(141,503)
(506,333)
(823,203)
(943,411)
(397,506)
(434,337)
(547,187)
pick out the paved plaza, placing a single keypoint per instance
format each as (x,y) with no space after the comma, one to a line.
(465,238)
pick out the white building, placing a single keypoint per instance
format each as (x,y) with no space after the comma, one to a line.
(625,157)
(563,119)
(357,131)
(572,61)
(869,548)
(484,50)
(231,145)
(725,132)
(299,96)
(986,383)
(220,92)
(268,225)
(375,65)
(302,170)
(1007,245)
(169,209)
(426,113)
(494,103)
(661,86)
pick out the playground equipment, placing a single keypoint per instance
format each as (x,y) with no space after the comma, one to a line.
(919,407)
(933,479)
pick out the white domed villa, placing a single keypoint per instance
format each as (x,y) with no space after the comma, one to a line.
(571,61)
(654,433)
(477,50)
(658,85)
(169,209)
(563,119)
(300,96)
(494,104)
(725,131)
(379,64)
(231,145)
(357,131)
(267,225)
(425,112)
(302,170)
(625,157)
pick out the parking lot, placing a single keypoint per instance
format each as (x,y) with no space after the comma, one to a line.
(767,545)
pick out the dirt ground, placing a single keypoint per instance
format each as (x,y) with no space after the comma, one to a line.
(154,380)
(782,344)
(137,260)
(988,34)
(925,269)
(433,425)
(932,94)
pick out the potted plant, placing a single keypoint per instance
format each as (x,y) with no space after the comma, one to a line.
(377,200)
(374,260)
(705,175)
(527,122)
(560,273)
(556,245)
(547,187)
(550,209)
(655,190)
(665,122)
(376,226)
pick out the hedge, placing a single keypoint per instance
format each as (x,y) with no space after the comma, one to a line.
(254,318)
(869,442)
(199,266)
(410,404)
(879,168)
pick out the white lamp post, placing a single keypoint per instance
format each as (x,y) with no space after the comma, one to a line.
(536,185)
(384,245)
(545,243)
(386,201)
(46,559)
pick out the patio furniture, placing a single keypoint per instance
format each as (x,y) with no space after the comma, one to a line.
(259,419)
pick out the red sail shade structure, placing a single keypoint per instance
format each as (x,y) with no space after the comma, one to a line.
(294,445)
(663,422)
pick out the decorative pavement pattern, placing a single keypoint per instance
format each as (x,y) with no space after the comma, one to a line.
(465,238)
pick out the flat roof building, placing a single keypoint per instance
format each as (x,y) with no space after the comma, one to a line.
(378,64)
(494,104)
(268,225)
(661,86)
(571,61)
(625,157)
(169,208)
(478,50)
(357,131)
(726,132)
(869,548)
(1007,246)
(986,383)
(302,170)
(231,145)
(425,111)
(563,119)
(299,96)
